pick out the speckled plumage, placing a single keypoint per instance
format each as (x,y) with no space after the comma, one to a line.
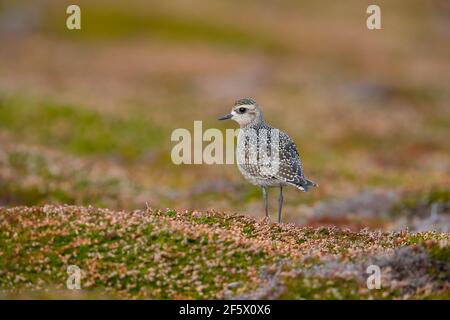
(266,156)
(288,168)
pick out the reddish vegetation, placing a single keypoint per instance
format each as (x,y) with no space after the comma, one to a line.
(171,254)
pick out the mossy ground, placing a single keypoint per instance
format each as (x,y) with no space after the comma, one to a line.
(156,254)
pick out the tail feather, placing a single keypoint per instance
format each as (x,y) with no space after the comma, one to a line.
(305,184)
(310,183)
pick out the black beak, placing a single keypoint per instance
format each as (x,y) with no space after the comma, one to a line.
(226,117)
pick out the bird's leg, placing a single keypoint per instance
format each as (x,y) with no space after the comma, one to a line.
(280,203)
(266,205)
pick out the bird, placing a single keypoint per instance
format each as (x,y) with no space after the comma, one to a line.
(266,156)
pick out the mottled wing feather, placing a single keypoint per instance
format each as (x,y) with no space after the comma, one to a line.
(289,167)
(290,170)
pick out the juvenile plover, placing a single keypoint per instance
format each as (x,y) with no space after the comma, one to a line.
(266,156)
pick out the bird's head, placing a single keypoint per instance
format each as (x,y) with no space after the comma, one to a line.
(245,112)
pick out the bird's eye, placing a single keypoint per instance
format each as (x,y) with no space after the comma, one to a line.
(242,110)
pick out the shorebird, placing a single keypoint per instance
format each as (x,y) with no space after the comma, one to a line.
(266,156)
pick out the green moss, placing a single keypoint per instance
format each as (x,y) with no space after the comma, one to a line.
(77,129)
(248,230)
(67,241)
(50,185)
(440,253)
(418,202)
(208,218)
(171,213)
(114,23)
(331,289)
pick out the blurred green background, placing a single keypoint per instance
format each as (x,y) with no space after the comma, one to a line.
(86,115)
